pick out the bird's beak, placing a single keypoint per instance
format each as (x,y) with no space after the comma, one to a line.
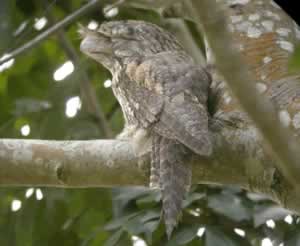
(94,42)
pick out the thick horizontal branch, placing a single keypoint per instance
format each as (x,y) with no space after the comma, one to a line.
(68,164)
(107,163)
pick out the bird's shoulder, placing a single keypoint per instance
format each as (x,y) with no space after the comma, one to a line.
(155,71)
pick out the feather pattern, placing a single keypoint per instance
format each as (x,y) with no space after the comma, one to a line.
(162,92)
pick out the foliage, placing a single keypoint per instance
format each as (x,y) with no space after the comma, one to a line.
(30,96)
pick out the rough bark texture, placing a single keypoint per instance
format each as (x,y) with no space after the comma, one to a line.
(265,98)
(108,163)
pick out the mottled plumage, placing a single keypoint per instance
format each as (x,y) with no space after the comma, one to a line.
(163,95)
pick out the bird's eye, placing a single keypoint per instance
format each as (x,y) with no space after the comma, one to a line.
(237,8)
(127,31)
(105,30)
(121,31)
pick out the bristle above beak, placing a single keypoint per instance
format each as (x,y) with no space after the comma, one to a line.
(84,31)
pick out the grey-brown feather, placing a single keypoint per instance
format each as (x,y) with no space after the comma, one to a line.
(175,177)
(162,91)
(155,180)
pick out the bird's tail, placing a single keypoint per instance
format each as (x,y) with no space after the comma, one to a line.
(175,180)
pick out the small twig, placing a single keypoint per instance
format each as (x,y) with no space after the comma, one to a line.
(113,109)
(112,6)
(184,35)
(38,39)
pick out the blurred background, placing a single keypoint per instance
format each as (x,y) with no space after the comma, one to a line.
(53,92)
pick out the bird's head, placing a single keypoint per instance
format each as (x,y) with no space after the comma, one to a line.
(117,41)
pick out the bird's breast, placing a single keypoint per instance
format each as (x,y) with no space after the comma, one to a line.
(122,96)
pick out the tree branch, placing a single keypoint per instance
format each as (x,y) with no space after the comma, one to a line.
(259,108)
(181,31)
(107,163)
(68,163)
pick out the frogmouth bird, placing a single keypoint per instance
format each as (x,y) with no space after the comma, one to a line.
(163,95)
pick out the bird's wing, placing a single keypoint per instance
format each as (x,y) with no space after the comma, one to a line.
(170,94)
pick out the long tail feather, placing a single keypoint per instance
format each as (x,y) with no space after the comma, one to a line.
(175,181)
(155,162)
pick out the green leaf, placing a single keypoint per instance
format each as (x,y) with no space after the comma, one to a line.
(136,225)
(128,194)
(118,222)
(150,215)
(184,235)
(20,122)
(151,226)
(152,198)
(215,237)
(192,198)
(294,62)
(230,206)
(266,212)
(113,240)
(293,239)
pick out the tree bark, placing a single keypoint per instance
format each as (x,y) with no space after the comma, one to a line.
(110,163)
(264,113)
